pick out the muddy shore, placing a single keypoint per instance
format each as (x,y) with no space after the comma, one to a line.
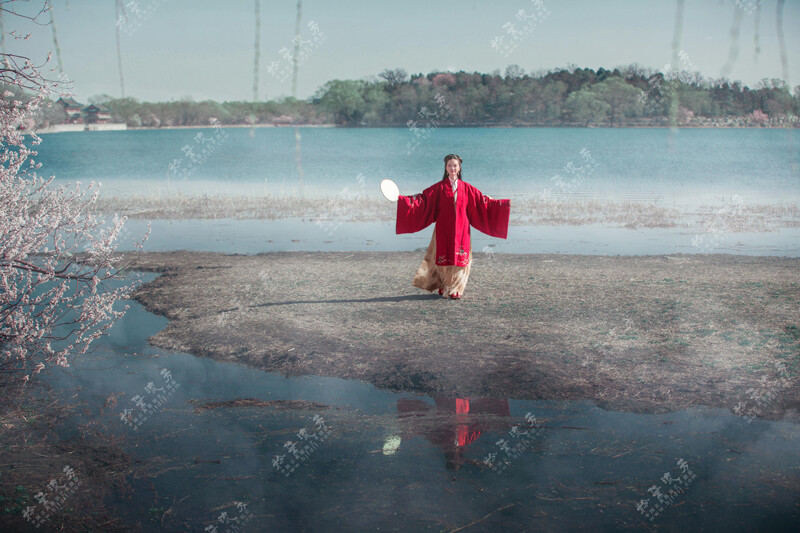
(648,334)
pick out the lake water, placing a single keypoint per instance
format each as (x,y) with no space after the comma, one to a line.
(682,169)
(683,166)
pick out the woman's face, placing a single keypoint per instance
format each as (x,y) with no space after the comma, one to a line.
(453,167)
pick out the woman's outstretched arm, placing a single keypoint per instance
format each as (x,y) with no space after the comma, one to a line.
(486,214)
(415,213)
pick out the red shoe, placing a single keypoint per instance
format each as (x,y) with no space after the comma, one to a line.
(441,292)
(455,296)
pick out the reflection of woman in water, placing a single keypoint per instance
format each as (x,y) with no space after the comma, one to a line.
(454,206)
(458,431)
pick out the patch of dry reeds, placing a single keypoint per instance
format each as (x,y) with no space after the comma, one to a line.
(525,211)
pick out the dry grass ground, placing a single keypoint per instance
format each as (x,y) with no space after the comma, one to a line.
(643,334)
(359,206)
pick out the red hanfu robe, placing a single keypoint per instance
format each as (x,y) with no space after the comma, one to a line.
(453,219)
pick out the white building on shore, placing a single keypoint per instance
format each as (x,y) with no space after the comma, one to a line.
(94,117)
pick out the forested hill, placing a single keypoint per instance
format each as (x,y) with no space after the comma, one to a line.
(568,97)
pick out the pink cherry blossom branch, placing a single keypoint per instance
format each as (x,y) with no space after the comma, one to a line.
(57,256)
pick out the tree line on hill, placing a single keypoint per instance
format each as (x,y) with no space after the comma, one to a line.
(629,96)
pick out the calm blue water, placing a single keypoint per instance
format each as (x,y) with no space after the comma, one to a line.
(293,235)
(685,166)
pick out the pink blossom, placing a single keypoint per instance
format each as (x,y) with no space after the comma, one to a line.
(58,269)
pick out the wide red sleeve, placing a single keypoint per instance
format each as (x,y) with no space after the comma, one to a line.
(415,213)
(488,215)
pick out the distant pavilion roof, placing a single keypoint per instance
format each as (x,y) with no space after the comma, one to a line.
(70,102)
(100,108)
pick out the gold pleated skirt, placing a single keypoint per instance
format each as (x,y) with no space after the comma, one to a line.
(431,277)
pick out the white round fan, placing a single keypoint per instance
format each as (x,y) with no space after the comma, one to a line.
(390,190)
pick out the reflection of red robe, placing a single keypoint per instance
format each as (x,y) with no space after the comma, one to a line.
(435,204)
(460,430)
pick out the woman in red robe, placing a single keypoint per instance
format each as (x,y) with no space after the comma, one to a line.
(454,205)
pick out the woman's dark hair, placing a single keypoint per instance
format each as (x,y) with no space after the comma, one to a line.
(447,158)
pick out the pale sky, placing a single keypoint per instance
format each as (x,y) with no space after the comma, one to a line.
(205,48)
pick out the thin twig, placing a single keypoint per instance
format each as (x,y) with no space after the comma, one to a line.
(482,519)
(563,499)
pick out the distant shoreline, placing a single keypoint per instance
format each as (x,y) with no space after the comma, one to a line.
(342,126)
(54,129)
